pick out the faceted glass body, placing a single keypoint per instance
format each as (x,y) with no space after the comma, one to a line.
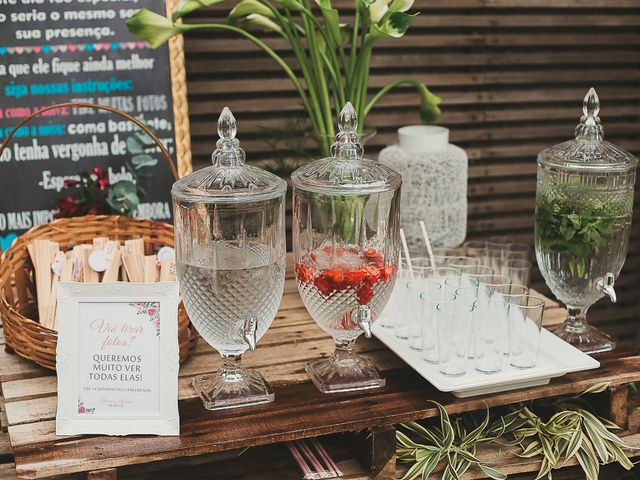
(230,258)
(345,240)
(584,205)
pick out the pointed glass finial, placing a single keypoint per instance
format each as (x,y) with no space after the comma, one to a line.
(226,124)
(348,120)
(591,103)
(347,145)
(589,127)
(228,152)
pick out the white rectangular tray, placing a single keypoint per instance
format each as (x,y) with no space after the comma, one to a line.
(556,358)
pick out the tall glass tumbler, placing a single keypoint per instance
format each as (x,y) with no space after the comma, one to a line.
(489,333)
(525,328)
(430,299)
(454,336)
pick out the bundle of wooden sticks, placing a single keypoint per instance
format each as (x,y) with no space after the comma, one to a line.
(102,261)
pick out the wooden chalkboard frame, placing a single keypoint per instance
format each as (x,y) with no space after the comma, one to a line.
(179,99)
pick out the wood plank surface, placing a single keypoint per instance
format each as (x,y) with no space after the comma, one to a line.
(299,411)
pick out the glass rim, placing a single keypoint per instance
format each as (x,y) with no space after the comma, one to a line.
(499,277)
(456,307)
(439,301)
(491,306)
(519,246)
(511,285)
(539,302)
(475,244)
(487,268)
(518,263)
(422,281)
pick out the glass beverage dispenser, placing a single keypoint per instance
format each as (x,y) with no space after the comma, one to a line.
(230,255)
(346,214)
(584,206)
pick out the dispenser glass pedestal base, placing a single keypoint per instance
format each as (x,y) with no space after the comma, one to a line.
(344,371)
(233,386)
(585,337)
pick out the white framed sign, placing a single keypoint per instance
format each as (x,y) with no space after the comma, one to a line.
(118,358)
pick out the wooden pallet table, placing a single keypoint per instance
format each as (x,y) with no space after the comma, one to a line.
(299,411)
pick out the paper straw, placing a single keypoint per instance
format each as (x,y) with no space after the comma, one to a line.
(306,451)
(423,227)
(327,458)
(299,460)
(406,253)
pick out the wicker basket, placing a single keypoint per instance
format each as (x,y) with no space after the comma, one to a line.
(18,305)
(29,338)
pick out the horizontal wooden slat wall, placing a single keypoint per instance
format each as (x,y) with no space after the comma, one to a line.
(512,74)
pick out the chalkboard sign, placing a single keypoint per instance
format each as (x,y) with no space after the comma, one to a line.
(54,51)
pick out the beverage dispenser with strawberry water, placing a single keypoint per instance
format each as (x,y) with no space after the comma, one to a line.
(346,217)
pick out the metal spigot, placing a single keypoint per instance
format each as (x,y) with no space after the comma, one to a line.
(362,316)
(249,331)
(605,285)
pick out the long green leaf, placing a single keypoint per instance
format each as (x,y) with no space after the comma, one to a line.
(601,429)
(596,441)
(588,464)
(574,444)
(445,426)
(415,471)
(492,472)
(430,465)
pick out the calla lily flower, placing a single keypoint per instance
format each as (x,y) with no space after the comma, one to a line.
(249,7)
(187,6)
(378,9)
(395,25)
(153,28)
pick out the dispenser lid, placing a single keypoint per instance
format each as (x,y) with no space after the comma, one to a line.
(229,179)
(346,172)
(589,150)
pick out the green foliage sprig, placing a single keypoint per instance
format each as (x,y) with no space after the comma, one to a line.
(566,429)
(332,58)
(579,228)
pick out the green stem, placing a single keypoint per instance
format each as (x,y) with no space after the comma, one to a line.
(376,98)
(353,53)
(323,91)
(294,39)
(259,43)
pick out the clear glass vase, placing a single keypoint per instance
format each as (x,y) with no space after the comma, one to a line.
(230,255)
(345,241)
(584,205)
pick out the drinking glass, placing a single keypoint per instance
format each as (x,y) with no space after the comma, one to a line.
(488,283)
(525,327)
(518,270)
(414,308)
(462,262)
(519,250)
(489,330)
(495,258)
(508,294)
(454,335)
(392,316)
(475,248)
(474,274)
(442,274)
(430,299)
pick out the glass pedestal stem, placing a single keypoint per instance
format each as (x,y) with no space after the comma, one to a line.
(232,386)
(344,354)
(576,331)
(576,321)
(231,369)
